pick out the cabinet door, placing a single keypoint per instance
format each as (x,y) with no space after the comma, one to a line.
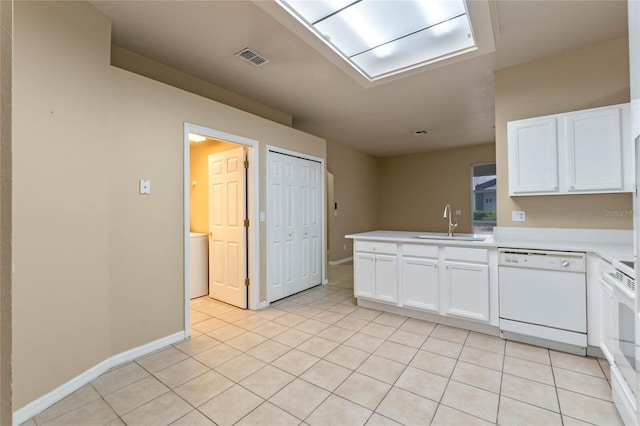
(594,150)
(533,156)
(386,278)
(606,320)
(467,290)
(364,274)
(420,283)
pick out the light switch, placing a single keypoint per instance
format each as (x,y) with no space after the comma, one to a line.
(263,217)
(517,216)
(145,186)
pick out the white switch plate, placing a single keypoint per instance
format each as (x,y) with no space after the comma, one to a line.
(263,217)
(458,212)
(517,216)
(145,186)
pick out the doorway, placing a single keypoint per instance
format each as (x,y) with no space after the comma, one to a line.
(221,202)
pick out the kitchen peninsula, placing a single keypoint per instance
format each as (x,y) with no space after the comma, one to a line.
(455,280)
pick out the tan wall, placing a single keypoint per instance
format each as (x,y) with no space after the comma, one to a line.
(199,194)
(6,21)
(356,181)
(586,78)
(61,310)
(98,267)
(415,188)
(131,61)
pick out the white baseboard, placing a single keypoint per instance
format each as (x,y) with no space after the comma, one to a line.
(45,401)
(341,261)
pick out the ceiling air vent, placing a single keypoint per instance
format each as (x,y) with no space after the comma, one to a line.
(251,56)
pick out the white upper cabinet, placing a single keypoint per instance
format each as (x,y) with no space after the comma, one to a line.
(594,151)
(533,156)
(588,151)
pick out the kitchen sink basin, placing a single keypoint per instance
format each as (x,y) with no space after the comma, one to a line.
(454,237)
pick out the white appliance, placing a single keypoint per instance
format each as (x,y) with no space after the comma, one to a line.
(624,380)
(198,265)
(543,298)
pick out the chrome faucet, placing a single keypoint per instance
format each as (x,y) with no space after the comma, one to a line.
(447,215)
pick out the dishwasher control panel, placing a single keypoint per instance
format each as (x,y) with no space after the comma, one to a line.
(542,259)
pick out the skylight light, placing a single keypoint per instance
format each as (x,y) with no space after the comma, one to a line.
(384,37)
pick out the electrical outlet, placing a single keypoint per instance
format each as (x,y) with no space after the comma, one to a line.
(145,186)
(517,216)
(458,212)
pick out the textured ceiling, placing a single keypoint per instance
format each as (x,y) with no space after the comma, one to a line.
(453,102)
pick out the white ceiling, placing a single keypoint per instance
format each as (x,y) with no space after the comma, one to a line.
(453,102)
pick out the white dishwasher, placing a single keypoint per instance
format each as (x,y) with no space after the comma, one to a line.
(543,298)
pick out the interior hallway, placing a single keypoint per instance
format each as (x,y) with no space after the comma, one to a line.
(315,358)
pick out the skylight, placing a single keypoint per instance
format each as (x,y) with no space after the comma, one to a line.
(384,37)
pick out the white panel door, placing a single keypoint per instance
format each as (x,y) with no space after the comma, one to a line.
(420,283)
(227,233)
(364,274)
(294,225)
(467,290)
(276,243)
(290,207)
(533,156)
(594,150)
(386,278)
(310,225)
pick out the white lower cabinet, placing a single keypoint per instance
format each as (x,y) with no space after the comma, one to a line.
(466,290)
(420,283)
(364,275)
(386,278)
(448,281)
(376,275)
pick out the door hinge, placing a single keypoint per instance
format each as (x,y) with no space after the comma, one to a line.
(246,164)
(246,223)
(246,282)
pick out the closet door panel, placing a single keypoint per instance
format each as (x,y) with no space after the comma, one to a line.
(295,224)
(276,246)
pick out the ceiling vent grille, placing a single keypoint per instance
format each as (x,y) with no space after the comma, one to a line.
(251,56)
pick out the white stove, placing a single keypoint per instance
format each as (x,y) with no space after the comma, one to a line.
(623,350)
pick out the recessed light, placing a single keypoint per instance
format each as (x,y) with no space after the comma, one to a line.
(196,138)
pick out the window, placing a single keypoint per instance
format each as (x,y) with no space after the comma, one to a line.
(483,189)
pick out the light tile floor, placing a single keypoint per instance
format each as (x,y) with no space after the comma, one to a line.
(316,358)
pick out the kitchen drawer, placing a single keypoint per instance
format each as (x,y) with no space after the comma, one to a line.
(419,250)
(376,247)
(466,254)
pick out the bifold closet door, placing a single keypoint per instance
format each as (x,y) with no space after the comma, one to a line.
(294,224)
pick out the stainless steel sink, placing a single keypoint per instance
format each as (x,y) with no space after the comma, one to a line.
(455,237)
